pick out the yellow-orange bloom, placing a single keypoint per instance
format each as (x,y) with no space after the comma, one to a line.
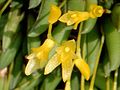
(96,11)
(83,67)
(64,56)
(55,13)
(39,57)
(74,17)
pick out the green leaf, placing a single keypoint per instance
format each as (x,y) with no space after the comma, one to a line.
(78,5)
(75,81)
(3,20)
(116,16)
(112,42)
(11,27)
(52,80)
(30,82)
(16,75)
(8,56)
(1,1)
(92,45)
(34,3)
(61,32)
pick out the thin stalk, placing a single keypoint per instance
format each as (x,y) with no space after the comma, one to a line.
(115,80)
(83,55)
(63,3)
(5,6)
(49,35)
(78,40)
(108,83)
(82,82)
(96,64)
(78,52)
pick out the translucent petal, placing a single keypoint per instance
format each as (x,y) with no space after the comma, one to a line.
(32,65)
(83,67)
(52,64)
(55,13)
(67,85)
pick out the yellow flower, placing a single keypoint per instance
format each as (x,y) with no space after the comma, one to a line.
(74,17)
(64,55)
(83,67)
(96,11)
(55,13)
(39,57)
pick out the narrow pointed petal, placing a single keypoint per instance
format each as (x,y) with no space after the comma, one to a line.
(67,85)
(31,66)
(83,67)
(55,13)
(52,64)
(67,67)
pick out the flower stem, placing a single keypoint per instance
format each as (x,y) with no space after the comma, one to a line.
(5,6)
(96,64)
(62,4)
(78,41)
(49,35)
(83,55)
(108,83)
(115,80)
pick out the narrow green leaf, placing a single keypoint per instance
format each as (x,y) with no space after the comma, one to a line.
(11,27)
(16,74)
(112,43)
(78,5)
(92,44)
(34,3)
(52,80)
(8,56)
(116,16)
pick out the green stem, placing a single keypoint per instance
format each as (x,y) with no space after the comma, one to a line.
(82,83)
(115,80)
(108,83)
(83,55)
(78,41)
(96,64)
(63,3)
(49,35)
(78,52)
(5,6)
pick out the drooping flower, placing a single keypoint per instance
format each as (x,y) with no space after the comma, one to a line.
(64,56)
(39,57)
(83,67)
(96,11)
(54,15)
(74,17)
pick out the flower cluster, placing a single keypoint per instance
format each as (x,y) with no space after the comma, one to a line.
(66,52)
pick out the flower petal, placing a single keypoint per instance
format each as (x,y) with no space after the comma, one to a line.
(67,67)
(52,64)
(55,13)
(96,11)
(83,67)
(32,65)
